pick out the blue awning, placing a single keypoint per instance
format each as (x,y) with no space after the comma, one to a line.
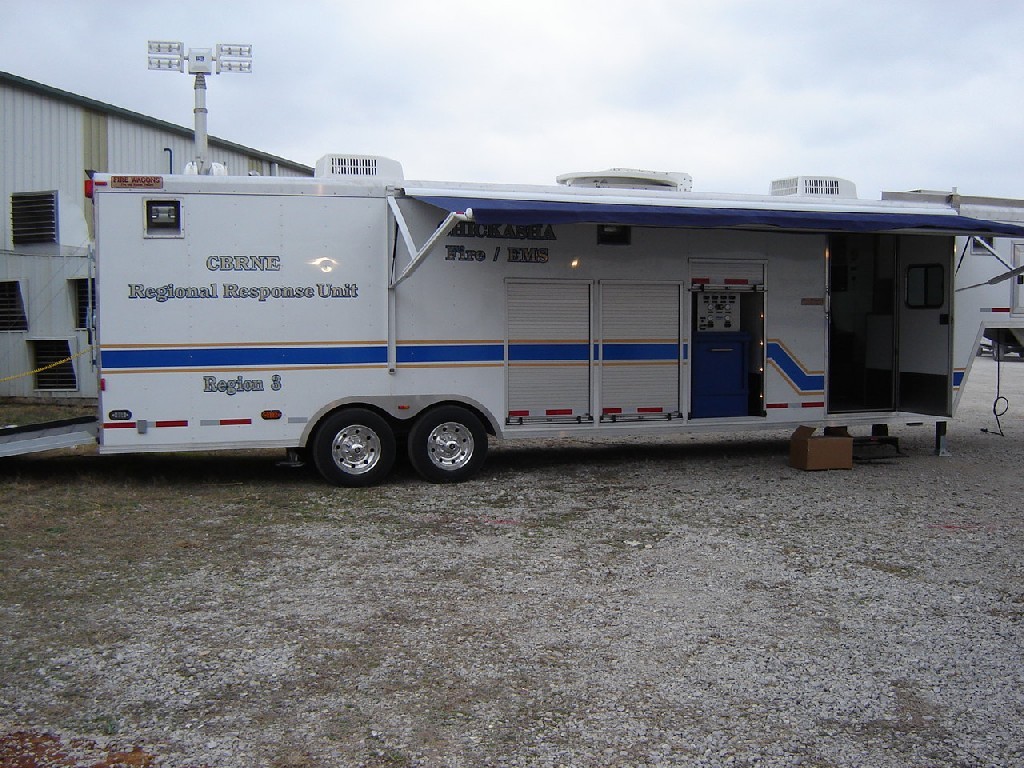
(504,211)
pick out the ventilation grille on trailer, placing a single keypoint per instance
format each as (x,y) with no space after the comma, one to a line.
(629,178)
(814,186)
(359,167)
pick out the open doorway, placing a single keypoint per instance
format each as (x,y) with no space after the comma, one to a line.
(727,361)
(889,323)
(862,322)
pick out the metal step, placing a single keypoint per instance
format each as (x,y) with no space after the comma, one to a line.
(48,436)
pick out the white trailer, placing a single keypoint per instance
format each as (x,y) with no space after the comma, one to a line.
(356,314)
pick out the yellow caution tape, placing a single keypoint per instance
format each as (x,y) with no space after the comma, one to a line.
(46,367)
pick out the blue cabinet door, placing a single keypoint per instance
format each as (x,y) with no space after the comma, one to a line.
(720,383)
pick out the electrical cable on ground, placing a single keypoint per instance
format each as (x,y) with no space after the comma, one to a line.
(1000,405)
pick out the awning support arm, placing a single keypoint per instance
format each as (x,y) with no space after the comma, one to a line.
(419,254)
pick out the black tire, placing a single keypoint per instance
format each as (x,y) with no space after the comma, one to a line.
(354,447)
(447,444)
(998,351)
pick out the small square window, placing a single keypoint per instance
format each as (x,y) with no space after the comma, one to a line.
(163,218)
(926,286)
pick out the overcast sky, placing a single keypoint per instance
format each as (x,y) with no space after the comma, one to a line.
(891,94)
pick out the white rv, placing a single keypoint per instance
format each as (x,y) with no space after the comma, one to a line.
(356,314)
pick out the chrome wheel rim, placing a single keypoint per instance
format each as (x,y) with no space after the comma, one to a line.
(450,445)
(356,449)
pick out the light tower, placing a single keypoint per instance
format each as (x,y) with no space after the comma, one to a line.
(170,56)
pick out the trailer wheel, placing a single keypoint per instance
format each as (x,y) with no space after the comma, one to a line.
(354,447)
(447,445)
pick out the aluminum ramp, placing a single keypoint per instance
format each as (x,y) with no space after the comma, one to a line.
(48,436)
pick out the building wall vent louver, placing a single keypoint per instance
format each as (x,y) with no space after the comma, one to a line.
(55,368)
(814,186)
(12,307)
(34,218)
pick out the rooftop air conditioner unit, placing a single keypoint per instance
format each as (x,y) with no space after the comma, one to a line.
(359,168)
(815,186)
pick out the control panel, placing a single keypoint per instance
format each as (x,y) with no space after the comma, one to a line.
(718,312)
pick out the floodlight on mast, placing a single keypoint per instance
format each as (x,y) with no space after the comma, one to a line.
(170,56)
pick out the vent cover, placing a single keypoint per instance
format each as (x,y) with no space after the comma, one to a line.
(83,292)
(629,178)
(54,369)
(12,307)
(814,186)
(359,168)
(34,218)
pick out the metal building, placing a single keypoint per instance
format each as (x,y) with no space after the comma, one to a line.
(50,140)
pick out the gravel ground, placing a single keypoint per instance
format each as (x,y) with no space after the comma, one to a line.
(685,602)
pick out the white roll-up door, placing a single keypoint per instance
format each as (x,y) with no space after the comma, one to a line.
(639,350)
(549,351)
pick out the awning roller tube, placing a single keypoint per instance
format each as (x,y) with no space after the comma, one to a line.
(509,211)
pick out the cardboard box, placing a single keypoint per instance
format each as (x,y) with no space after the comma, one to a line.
(823,452)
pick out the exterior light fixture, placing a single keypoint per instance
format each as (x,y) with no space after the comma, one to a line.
(170,56)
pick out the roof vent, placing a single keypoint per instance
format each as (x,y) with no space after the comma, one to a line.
(815,186)
(629,178)
(359,168)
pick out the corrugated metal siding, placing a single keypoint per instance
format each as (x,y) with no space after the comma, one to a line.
(95,153)
(50,305)
(42,151)
(139,148)
(136,148)
(49,140)
(95,141)
(42,147)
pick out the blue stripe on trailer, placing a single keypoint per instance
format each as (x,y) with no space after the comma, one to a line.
(224,357)
(801,379)
(227,357)
(451,353)
(548,352)
(613,351)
